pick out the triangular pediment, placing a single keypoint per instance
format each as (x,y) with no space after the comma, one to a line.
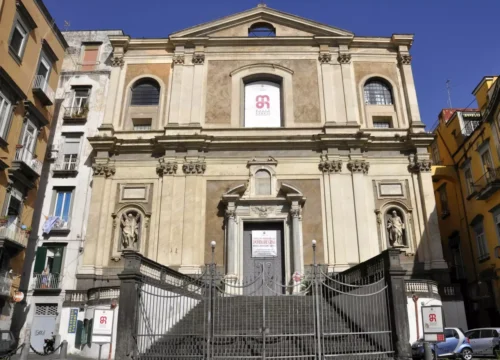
(287,25)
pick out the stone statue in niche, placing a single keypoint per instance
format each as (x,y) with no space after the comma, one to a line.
(396,229)
(130,235)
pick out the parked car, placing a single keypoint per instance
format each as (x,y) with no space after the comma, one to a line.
(7,342)
(484,341)
(456,345)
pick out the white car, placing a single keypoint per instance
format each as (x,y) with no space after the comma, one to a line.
(484,341)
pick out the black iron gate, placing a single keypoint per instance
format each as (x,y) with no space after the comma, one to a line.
(317,315)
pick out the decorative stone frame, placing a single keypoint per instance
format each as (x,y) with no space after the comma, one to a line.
(393,110)
(270,167)
(261,71)
(408,221)
(126,119)
(286,209)
(116,248)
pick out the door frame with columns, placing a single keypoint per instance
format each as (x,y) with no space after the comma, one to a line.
(283,206)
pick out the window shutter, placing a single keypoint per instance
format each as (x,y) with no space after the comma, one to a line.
(41,255)
(58,256)
(71,145)
(89,332)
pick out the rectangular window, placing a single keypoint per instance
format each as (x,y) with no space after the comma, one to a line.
(5,114)
(81,98)
(382,122)
(469,182)
(496,219)
(436,158)
(18,38)
(71,150)
(482,245)
(63,204)
(142,124)
(48,267)
(89,60)
(443,197)
(486,161)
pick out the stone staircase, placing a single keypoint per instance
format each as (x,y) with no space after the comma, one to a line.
(290,331)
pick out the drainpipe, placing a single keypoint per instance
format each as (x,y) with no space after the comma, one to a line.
(415,301)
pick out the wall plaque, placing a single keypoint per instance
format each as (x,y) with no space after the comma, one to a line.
(391,189)
(134,193)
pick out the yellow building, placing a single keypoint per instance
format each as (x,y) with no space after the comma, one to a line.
(31,53)
(466,174)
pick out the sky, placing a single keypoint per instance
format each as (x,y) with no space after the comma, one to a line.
(455,40)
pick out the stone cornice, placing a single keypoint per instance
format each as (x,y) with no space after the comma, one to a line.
(330,166)
(103,170)
(166,167)
(419,165)
(194,167)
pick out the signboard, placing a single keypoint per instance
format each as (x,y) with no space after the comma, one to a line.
(102,326)
(264,243)
(73,320)
(262,104)
(432,323)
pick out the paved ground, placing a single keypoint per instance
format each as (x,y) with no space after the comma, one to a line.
(51,357)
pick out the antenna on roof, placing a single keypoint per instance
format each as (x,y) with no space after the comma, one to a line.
(66,25)
(448,88)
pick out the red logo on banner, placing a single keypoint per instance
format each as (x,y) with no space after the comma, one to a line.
(261,101)
(432,317)
(103,320)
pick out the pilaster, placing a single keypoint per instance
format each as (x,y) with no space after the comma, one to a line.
(178,62)
(359,168)
(116,70)
(198,61)
(166,170)
(421,165)
(404,61)
(351,104)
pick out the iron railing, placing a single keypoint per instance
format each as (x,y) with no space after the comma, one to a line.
(47,281)
(41,84)
(27,157)
(491,176)
(317,315)
(67,163)
(5,283)
(15,234)
(470,126)
(76,113)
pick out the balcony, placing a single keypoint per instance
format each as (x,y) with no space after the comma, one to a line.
(47,282)
(470,126)
(77,115)
(14,236)
(66,165)
(488,184)
(27,162)
(5,284)
(42,90)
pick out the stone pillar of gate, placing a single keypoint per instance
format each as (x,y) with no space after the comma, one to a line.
(131,280)
(400,328)
(298,253)
(231,240)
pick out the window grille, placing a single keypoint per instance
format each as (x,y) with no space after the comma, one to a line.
(46,309)
(146,93)
(377,93)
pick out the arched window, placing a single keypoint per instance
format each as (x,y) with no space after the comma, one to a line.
(261,29)
(262,104)
(145,92)
(262,183)
(377,92)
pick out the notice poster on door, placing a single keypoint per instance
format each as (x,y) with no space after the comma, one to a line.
(264,243)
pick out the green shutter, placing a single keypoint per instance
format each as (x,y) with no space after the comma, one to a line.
(58,256)
(41,256)
(89,332)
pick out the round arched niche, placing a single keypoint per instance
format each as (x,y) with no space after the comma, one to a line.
(130,230)
(396,227)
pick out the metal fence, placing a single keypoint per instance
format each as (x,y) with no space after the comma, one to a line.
(318,315)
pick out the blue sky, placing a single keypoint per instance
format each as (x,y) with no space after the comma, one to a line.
(454,39)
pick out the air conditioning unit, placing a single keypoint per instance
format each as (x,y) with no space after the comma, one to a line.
(52,152)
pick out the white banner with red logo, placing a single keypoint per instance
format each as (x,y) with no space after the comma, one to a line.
(262,104)
(103,322)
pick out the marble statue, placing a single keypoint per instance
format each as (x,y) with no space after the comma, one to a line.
(130,230)
(396,229)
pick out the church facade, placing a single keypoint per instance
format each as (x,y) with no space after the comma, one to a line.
(261,131)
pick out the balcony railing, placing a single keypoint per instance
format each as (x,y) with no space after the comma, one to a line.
(47,281)
(28,158)
(487,184)
(42,90)
(14,234)
(5,284)
(470,126)
(66,164)
(76,113)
